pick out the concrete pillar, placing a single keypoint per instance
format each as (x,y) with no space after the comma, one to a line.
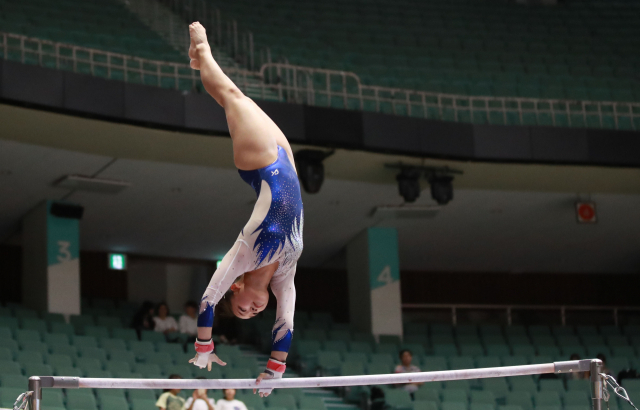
(51,261)
(374,282)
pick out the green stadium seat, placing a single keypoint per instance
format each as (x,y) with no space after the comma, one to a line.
(514,361)
(37,369)
(87,363)
(23,313)
(99,332)
(314,334)
(67,350)
(110,344)
(10,367)
(457,385)
(429,405)
(81,402)
(93,353)
(28,335)
(455,395)
(428,392)
(379,368)
(253,401)
(453,406)
(52,398)
(521,399)
(579,395)
(461,362)
(68,371)
(282,400)
(484,397)
(142,404)
(398,399)
(30,356)
(125,334)
(63,328)
(6,333)
(139,394)
(171,348)
(122,355)
(151,336)
(34,324)
(117,366)
(547,398)
(446,350)
(9,322)
(488,361)
(6,354)
(8,396)
(109,321)
(339,335)
(579,385)
(113,403)
(498,350)
(13,380)
(498,386)
(56,338)
(84,341)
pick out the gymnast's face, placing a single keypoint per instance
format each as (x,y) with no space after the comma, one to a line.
(247,302)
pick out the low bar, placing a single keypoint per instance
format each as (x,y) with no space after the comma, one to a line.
(310,382)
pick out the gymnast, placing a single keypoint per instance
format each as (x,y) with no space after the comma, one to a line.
(268,247)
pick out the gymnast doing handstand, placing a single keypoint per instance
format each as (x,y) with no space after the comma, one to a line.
(268,247)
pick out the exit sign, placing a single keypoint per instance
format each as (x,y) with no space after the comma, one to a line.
(117,261)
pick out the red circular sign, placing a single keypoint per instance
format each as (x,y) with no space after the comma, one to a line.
(586,212)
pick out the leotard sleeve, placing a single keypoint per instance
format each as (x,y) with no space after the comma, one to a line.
(236,262)
(285,292)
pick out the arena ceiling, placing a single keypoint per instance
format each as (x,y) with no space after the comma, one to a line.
(186,200)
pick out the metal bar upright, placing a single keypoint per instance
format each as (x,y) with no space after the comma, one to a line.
(36,396)
(596,384)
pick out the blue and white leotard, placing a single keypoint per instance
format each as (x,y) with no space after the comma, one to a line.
(273,234)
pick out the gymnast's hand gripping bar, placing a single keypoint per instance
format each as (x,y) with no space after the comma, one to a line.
(37,383)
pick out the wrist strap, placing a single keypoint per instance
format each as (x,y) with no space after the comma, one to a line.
(204,346)
(276,365)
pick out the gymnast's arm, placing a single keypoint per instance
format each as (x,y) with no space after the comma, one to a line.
(282,332)
(235,263)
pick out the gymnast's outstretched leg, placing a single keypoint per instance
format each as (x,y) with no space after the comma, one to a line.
(255,136)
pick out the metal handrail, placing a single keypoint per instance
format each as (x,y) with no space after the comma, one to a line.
(322,87)
(412,102)
(510,308)
(68,56)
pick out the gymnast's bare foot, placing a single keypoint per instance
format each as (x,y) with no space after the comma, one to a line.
(193,55)
(198,44)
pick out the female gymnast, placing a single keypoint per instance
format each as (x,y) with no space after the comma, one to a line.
(267,249)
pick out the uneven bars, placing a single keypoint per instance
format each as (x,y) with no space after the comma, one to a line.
(36,383)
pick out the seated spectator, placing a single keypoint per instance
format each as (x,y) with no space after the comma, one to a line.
(577,375)
(163,321)
(229,401)
(188,323)
(199,400)
(143,319)
(169,400)
(406,357)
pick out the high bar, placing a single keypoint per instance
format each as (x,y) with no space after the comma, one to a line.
(312,382)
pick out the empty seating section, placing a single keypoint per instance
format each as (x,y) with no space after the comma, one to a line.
(104,25)
(326,348)
(578,50)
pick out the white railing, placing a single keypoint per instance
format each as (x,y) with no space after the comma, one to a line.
(322,87)
(119,66)
(454,310)
(340,89)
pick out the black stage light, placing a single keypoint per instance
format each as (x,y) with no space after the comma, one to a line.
(409,184)
(441,188)
(311,168)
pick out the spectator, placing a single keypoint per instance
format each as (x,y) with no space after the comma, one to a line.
(188,323)
(605,369)
(406,357)
(143,319)
(169,400)
(577,375)
(229,401)
(163,322)
(199,400)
